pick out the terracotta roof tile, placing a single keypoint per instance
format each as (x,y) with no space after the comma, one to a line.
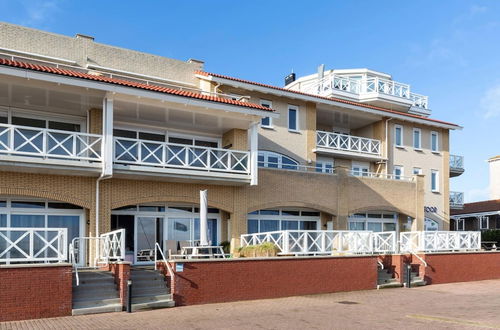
(325,98)
(477,207)
(127,83)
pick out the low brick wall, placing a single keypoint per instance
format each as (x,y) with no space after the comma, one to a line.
(228,280)
(460,267)
(35,291)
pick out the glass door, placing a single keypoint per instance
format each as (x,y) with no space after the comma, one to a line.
(145,239)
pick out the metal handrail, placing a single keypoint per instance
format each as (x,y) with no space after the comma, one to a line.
(381,264)
(73,262)
(419,258)
(169,268)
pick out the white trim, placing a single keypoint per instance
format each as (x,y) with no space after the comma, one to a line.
(118,89)
(42,57)
(481,218)
(297,122)
(415,130)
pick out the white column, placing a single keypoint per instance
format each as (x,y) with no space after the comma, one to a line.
(107,133)
(253,142)
(203,218)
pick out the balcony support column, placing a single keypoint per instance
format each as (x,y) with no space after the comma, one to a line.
(342,198)
(107,131)
(253,140)
(419,222)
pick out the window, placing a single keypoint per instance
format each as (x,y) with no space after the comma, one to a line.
(430,225)
(360,169)
(266,122)
(293,118)
(417,171)
(434,181)
(398,135)
(398,172)
(460,224)
(376,222)
(434,141)
(417,138)
(484,222)
(282,219)
(276,160)
(324,165)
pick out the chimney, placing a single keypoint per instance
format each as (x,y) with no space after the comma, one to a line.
(290,78)
(84,36)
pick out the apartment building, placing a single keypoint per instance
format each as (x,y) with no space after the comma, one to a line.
(482,215)
(95,138)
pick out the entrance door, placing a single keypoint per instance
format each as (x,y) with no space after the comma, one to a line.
(145,239)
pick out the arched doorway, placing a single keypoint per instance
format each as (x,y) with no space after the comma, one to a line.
(171,225)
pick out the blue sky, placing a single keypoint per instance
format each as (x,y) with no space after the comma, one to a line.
(448,50)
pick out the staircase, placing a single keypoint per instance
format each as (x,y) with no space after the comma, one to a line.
(149,289)
(386,281)
(416,280)
(97,293)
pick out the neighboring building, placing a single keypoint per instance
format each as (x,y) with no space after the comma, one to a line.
(95,138)
(482,215)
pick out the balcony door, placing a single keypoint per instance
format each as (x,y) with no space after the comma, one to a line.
(148,231)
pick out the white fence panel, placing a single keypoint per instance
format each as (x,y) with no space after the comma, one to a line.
(440,241)
(33,244)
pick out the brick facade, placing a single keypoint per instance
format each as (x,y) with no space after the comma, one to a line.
(121,272)
(203,282)
(35,291)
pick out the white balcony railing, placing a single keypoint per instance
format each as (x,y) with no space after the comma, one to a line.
(386,176)
(440,241)
(350,143)
(457,162)
(33,245)
(317,242)
(456,199)
(49,143)
(170,155)
(361,87)
(112,246)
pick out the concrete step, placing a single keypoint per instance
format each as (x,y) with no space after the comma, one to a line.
(150,292)
(93,275)
(153,305)
(151,298)
(89,281)
(92,302)
(148,285)
(418,283)
(97,309)
(95,295)
(394,284)
(94,285)
(391,280)
(146,276)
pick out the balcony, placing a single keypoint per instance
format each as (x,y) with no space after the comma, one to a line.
(348,146)
(456,200)
(371,89)
(25,145)
(144,156)
(456,165)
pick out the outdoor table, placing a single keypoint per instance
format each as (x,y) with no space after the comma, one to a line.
(199,252)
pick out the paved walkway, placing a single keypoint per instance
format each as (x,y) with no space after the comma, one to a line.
(472,305)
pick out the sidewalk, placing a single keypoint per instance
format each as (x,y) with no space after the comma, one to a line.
(471,305)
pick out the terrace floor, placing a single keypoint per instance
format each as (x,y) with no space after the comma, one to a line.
(471,305)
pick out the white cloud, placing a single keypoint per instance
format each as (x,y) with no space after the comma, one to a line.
(38,12)
(490,102)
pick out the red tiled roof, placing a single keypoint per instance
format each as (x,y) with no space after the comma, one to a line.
(127,83)
(324,98)
(478,207)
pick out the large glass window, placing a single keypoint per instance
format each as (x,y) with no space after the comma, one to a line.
(282,219)
(398,172)
(3,220)
(373,221)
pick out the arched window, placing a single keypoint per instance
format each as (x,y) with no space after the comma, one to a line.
(276,160)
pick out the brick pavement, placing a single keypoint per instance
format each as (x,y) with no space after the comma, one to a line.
(471,305)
